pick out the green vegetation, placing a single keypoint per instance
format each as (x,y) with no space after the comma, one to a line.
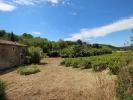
(2,90)
(81,51)
(98,63)
(77,54)
(27,70)
(60,48)
(34,55)
(124,83)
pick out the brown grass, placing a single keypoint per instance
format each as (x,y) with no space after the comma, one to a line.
(105,87)
(56,82)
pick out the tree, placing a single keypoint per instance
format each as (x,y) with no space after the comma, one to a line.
(12,37)
(96,46)
(62,44)
(79,42)
(27,36)
(2,33)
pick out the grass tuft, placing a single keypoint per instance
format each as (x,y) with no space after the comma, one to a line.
(27,70)
(2,90)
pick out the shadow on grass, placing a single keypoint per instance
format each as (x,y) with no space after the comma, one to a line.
(43,63)
(3,97)
(7,70)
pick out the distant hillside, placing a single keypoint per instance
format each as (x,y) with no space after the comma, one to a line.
(117,48)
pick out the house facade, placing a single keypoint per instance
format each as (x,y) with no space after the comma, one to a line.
(11,54)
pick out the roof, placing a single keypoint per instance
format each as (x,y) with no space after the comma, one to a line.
(4,42)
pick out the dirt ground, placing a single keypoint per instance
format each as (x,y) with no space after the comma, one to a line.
(56,82)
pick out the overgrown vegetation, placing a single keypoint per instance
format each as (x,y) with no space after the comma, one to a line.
(81,51)
(2,90)
(34,55)
(27,70)
(98,63)
(124,83)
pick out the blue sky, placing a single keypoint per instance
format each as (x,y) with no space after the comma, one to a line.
(94,21)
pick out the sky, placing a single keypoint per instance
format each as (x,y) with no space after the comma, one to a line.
(93,21)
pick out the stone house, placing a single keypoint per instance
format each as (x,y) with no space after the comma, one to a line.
(11,54)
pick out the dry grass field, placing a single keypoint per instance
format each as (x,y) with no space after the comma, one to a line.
(56,82)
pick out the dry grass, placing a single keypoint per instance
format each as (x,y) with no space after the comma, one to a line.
(56,82)
(105,87)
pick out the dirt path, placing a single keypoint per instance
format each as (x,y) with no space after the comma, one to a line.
(56,82)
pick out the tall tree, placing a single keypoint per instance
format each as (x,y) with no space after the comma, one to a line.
(12,37)
(27,36)
(79,42)
(2,33)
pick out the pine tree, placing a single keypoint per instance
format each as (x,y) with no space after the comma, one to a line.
(12,37)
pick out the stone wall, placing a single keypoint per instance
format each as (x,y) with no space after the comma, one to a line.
(11,56)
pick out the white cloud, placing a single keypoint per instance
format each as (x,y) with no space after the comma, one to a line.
(5,7)
(33,2)
(54,1)
(119,25)
(36,33)
(24,2)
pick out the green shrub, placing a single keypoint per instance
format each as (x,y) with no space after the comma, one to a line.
(99,66)
(67,52)
(68,63)
(62,62)
(27,70)
(80,51)
(113,62)
(53,54)
(124,84)
(34,54)
(2,90)
(75,64)
(86,64)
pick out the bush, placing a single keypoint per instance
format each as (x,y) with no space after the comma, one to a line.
(34,54)
(86,64)
(53,54)
(28,70)
(113,62)
(80,51)
(2,90)
(124,84)
(67,52)
(99,66)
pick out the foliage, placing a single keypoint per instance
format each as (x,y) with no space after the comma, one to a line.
(26,36)
(2,90)
(2,33)
(124,83)
(27,70)
(34,54)
(8,36)
(65,49)
(98,63)
(81,51)
(53,54)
